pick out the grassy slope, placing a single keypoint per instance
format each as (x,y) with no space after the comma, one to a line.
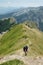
(21,35)
(13,62)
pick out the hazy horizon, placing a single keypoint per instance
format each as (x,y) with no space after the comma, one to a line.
(21,3)
(9,5)
(4,10)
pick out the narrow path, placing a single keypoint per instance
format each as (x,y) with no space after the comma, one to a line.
(26,60)
(12,57)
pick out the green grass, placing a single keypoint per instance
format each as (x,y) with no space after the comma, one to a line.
(9,40)
(13,62)
(20,35)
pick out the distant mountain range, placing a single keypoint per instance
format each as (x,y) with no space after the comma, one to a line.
(34,14)
(6,10)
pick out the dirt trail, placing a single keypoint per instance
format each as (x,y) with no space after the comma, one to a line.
(25,59)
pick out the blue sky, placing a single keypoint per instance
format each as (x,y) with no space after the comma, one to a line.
(21,3)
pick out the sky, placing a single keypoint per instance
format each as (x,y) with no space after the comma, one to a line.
(21,3)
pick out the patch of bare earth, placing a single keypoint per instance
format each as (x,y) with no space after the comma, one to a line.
(28,60)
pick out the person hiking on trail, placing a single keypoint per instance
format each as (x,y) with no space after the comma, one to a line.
(25,49)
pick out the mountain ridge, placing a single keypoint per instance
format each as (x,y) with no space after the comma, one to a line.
(19,36)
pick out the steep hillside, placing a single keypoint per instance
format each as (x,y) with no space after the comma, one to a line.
(31,14)
(20,35)
(6,23)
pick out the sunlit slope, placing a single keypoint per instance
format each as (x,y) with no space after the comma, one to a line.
(19,36)
(13,62)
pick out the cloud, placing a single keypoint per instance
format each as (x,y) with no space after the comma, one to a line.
(9,2)
(18,3)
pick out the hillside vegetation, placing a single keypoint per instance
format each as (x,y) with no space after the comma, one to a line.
(13,62)
(20,35)
(5,24)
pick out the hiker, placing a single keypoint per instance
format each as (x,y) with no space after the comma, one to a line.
(25,49)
